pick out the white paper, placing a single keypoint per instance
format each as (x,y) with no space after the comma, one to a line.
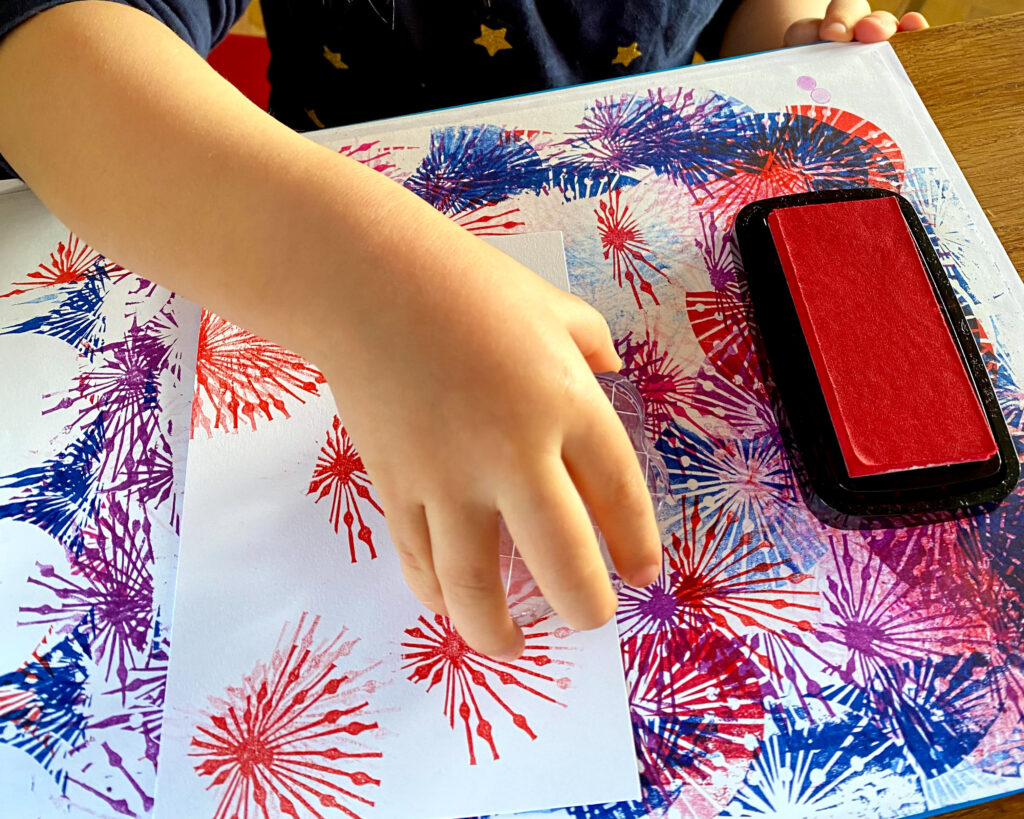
(258,552)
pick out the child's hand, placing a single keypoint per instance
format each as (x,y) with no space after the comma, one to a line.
(466,382)
(847,20)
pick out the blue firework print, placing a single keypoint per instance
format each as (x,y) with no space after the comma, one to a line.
(682,135)
(817,770)
(936,710)
(775,154)
(43,703)
(73,314)
(947,223)
(60,495)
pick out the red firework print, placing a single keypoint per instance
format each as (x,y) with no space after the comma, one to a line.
(339,472)
(285,743)
(665,390)
(862,129)
(489,220)
(72,261)
(695,702)
(719,321)
(623,243)
(437,655)
(239,374)
(374,155)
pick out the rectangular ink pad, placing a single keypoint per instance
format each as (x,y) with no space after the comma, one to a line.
(885,397)
(897,391)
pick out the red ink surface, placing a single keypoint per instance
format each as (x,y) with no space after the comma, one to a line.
(897,391)
(340,473)
(290,740)
(474,683)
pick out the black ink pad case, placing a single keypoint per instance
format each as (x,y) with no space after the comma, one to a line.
(888,410)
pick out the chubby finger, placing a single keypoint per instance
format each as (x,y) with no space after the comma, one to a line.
(551,528)
(877,27)
(591,335)
(604,467)
(802,32)
(464,540)
(840,18)
(411,536)
(913,21)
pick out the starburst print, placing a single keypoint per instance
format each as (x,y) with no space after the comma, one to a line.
(474,683)
(340,474)
(623,243)
(72,261)
(290,740)
(242,377)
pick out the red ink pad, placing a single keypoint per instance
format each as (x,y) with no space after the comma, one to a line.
(889,406)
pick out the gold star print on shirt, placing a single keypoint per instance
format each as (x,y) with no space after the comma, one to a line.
(334,58)
(493,39)
(626,54)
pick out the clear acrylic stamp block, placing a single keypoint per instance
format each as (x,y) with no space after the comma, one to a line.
(525,601)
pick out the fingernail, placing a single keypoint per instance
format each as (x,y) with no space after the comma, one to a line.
(645,576)
(833,29)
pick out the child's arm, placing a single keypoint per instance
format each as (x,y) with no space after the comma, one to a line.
(464,379)
(761,25)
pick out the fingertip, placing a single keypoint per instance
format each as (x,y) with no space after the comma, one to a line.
(597,614)
(517,651)
(913,21)
(875,28)
(644,576)
(505,642)
(834,31)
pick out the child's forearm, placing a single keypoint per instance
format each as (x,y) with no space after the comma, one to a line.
(132,140)
(135,143)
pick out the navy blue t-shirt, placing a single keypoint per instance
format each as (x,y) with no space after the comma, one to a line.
(336,62)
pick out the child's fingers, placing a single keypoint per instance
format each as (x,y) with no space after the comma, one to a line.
(591,335)
(877,27)
(604,467)
(465,551)
(551,528)
(840,18)
(407,526)
(913,21)
(802,32)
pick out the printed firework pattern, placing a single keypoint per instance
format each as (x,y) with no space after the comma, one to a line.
(478,690)
(775,668)
(340,475)
(242,379)
(103,489)
(296,737)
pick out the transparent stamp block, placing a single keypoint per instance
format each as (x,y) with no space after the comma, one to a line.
(525,601)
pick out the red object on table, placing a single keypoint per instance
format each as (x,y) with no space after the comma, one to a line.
(242,60)
(896,388)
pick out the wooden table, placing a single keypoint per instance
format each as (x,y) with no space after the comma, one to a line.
(971,79)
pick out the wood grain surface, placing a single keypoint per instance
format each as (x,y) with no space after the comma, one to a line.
(971,78)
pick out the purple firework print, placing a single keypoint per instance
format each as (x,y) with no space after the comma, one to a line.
(88,704)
